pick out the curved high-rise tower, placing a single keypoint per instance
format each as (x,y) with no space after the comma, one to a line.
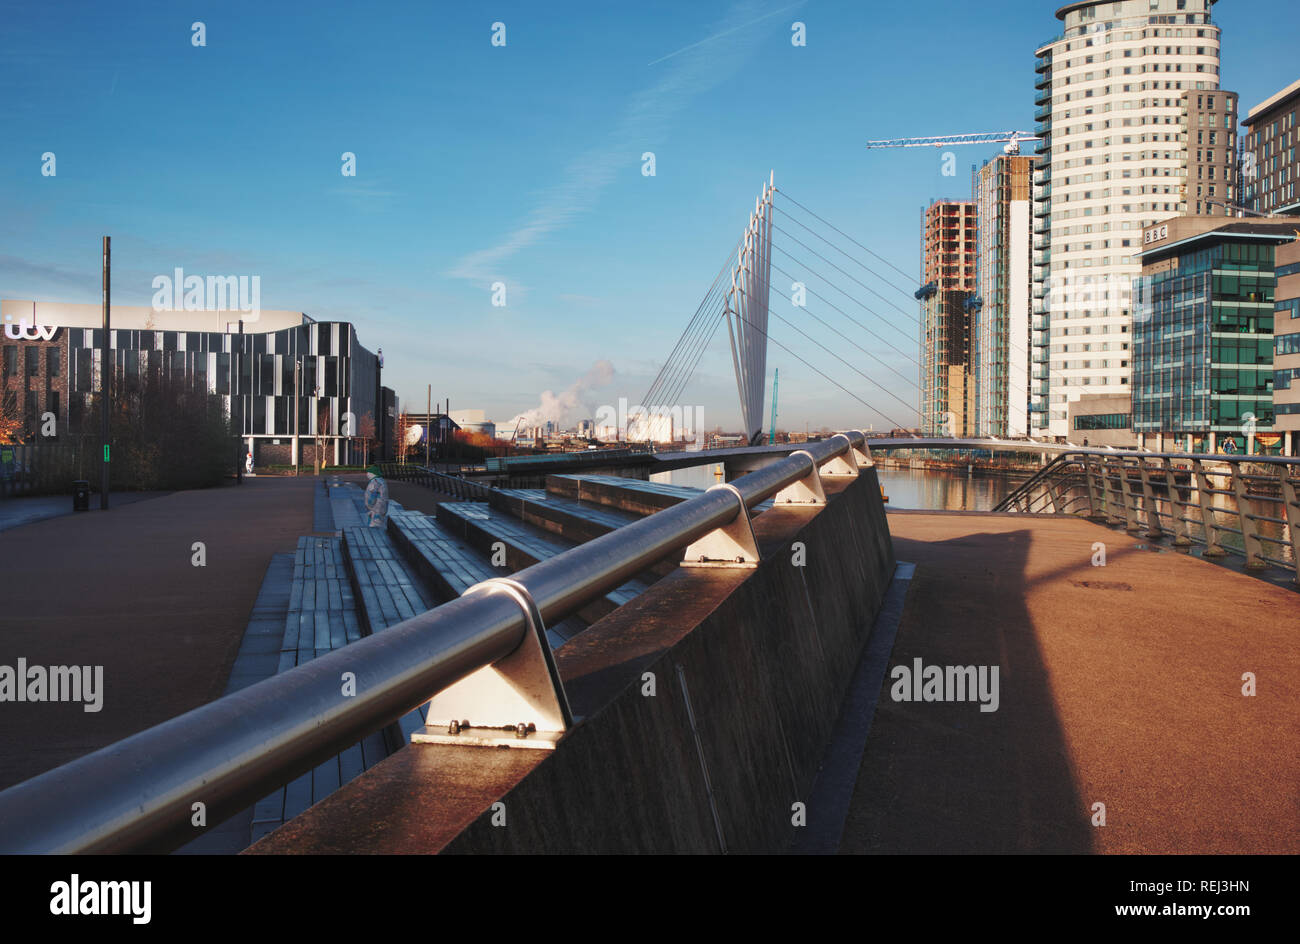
(1109,100)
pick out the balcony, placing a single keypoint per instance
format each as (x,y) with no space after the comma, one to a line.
(1042,97)
(1044,79)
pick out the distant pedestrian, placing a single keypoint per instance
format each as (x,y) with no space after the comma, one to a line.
(376,497)
(248,464)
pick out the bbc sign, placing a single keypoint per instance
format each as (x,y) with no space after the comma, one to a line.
(1156,234)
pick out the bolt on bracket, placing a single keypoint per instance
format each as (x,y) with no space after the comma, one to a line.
(732,545)
(807,490)
(845,465)
(516,702)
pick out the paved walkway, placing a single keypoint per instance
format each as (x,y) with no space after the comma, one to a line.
(118,589)
(19,511)
(1119,684)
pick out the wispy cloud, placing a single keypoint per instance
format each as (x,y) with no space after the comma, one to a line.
(726,32)
(643,126)
(364,195)
(18,268)
(581,299)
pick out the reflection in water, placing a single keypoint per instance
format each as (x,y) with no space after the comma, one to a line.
(699,476)
(942,490)
(906,488)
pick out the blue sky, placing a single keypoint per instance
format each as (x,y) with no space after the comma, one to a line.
(520,164)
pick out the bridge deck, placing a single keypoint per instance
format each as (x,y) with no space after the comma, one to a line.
(1119,684)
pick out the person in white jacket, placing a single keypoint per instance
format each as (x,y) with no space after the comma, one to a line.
(376,497)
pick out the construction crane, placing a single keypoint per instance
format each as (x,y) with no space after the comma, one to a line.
(1013,140)
(771,435)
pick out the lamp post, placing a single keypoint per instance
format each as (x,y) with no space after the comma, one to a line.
(297,368)
(379,401)
(105,376)
(236,376)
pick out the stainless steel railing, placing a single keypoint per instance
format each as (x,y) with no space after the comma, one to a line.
(140,794)
(1180,495)
(438,481)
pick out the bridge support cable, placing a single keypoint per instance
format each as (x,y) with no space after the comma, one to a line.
(1018,348)
(909,278)
(847,364)
(910,294)
(686,353)
(829,327)
(689,337)
(823,298)
(830,379)
(902,311)
(674,393)
(1007,339)
(663,396)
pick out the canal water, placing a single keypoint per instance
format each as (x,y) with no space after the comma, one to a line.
(905,488)
(943,490)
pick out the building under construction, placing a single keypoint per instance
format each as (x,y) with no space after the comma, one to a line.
(947,285)
(1000,321)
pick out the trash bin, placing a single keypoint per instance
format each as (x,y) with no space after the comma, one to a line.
(81,495)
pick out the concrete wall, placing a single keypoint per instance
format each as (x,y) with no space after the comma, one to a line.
(765,657)
(1097,404)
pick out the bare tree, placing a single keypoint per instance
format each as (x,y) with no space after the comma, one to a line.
(366,432)
(322,430)
(404,426)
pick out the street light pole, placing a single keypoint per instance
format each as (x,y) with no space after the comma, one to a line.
(237,375)
(297,385)
(105,376)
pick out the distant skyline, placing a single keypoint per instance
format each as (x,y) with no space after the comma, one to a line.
(522,164)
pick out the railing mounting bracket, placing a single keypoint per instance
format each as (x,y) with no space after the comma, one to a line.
(732,545)
(525,684)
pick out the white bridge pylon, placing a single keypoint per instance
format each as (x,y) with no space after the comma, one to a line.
(746,312)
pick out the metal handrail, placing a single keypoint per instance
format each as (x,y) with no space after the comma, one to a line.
(139,794)
(1121,485)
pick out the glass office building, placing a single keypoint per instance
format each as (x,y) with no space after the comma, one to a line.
(1203,334)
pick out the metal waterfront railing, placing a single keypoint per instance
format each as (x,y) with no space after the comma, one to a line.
(140,794)
(1130,487)
(438,481)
